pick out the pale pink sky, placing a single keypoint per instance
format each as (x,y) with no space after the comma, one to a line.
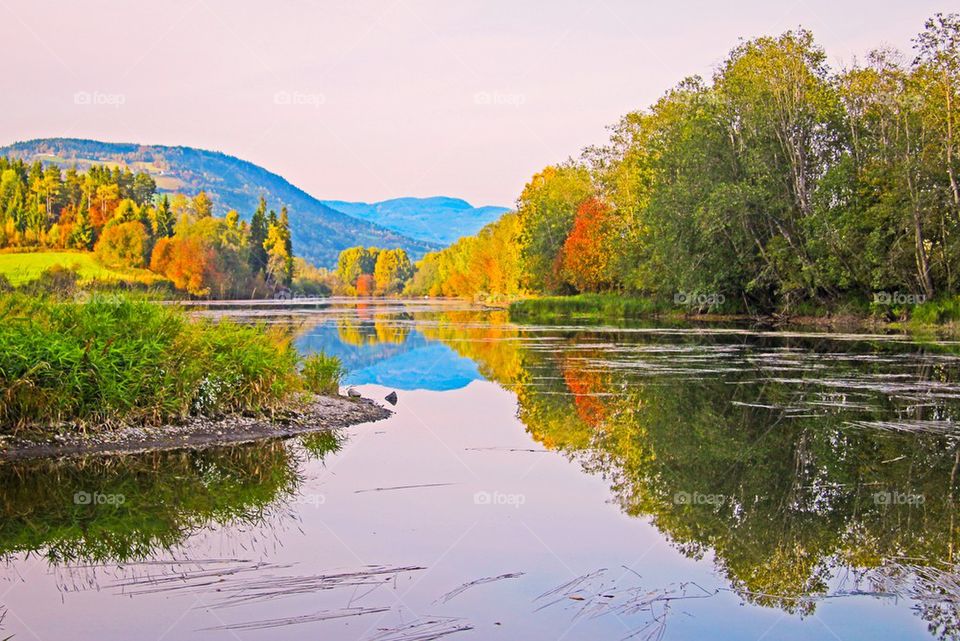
(370,100)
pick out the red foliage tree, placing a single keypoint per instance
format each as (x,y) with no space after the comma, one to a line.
(586,387)
(366,285)
(584,261)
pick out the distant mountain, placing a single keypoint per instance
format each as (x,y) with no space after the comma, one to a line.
(440,220)
(319,232)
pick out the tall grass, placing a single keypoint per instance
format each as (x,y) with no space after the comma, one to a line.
(322,374)
(116,359)
(608,306)
(936,312)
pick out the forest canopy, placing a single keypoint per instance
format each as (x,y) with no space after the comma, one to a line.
(119,216)
(780,182)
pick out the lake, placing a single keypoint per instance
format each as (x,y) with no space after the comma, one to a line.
(536,482)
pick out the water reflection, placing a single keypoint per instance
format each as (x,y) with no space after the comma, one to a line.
(387,350)
(792,461)
(131,508)
(803,469)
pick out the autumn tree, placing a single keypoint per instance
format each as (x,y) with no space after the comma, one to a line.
(366,285)
(202,205)
(189,263)
(391,271)
(122,245)
(279,248)
(585,257)
(354,262)
(545,212)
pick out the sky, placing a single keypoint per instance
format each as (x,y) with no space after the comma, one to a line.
(369,100)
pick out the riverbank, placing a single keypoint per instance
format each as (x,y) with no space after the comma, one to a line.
(113,373)
(323,413)
(938,316)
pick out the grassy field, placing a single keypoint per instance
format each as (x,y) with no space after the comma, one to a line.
(20,268)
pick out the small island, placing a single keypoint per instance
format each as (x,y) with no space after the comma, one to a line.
(111,373)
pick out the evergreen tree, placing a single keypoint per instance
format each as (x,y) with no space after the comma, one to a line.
(287,242)
(81,236)
(258,235)
(163,219)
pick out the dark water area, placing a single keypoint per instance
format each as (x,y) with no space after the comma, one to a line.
(535,482)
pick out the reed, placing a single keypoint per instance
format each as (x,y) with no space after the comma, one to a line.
(322,374)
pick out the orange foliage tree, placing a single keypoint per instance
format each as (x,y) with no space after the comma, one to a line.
(366,285)
(190,263)
(585,259)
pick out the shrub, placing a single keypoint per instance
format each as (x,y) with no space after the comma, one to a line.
(56,280)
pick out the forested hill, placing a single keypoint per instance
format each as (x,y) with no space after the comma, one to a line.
(319,232)
(439,219)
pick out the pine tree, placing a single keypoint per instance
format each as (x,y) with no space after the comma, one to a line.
(287,243)
(258,235)
(163,219)
(81,236)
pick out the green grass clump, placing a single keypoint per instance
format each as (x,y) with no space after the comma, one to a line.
(608,306)
(936,312)
(322,374)
(114,359)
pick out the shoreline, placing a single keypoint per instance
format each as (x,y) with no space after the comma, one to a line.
(603,308)
(321,414)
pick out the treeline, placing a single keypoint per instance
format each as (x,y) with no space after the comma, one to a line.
(780,183)
(371,271)
(119,215)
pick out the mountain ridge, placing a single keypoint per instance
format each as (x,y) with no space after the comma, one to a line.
(319,231)
(435,219)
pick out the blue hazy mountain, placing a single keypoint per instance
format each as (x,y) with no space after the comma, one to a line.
(319,232)
(440,220)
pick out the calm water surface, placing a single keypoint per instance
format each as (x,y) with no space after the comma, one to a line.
(536,482)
